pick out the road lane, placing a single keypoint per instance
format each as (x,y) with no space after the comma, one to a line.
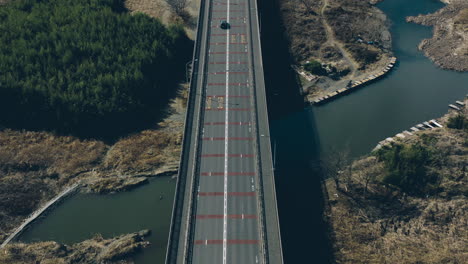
(230,237)
(225,220)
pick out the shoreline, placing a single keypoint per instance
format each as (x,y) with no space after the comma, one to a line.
(354,84)
(373,221)
(447,48)
(33,217)
(351,39)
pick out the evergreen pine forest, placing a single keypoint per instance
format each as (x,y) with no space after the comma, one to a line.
(86,67)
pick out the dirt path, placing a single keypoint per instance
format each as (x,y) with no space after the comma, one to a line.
(331,41)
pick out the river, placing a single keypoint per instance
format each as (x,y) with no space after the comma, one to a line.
(414,91)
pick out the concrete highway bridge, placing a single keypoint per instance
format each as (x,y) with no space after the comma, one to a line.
(225,206)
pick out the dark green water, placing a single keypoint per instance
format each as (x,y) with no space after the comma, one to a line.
(414,91)
(84,215)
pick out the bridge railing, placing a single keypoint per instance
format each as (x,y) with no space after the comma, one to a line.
(178,204)
(261,103)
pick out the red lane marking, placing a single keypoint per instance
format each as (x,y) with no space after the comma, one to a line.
(216,84)
(224,123)
(232,43)
(229,193)
(229,138)
(229,72)
(230,52)
(246,216)
(231,62)
(229,174)
(226,10)
(231,109)
(229,155)
(230,96)
(214,18)
(229,241)
(229,4)
(225,34)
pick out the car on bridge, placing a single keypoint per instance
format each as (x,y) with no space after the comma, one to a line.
(225,25)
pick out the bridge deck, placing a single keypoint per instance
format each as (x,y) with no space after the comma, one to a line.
(229,211)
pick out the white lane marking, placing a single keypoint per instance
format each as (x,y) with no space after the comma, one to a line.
(226,135)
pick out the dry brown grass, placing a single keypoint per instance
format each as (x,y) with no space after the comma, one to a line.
(384,225)
(160,9)
(462,17)
(64,155)
(35,166)
(304,28)
(143,152)
(95,250)
(154,8)
(448,47)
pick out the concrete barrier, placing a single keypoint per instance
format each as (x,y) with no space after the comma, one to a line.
(178,204)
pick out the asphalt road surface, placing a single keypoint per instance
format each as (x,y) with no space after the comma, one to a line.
(226,226)
(228,213)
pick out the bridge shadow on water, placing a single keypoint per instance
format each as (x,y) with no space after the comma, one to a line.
(295,147)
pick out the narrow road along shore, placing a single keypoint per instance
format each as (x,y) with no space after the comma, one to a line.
(38,212)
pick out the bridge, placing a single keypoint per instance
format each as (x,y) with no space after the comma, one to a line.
(225,206)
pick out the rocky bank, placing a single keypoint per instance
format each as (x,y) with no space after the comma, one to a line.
(349,37)
(448,47)
(97,250)
(406,203)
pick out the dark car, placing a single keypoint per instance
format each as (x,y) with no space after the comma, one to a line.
(225,25)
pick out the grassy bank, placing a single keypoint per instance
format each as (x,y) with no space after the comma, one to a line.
(95,250)
(406,203)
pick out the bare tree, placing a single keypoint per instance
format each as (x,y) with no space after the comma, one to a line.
(369,172)
(336,165)
(309,4)
(178,6)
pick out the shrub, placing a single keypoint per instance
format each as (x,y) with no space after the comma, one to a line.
(406,167)
(457,122)
(315,67)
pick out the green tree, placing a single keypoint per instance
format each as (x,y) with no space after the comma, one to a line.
(315,67)
(85,66)
(458,122)
(406,167)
